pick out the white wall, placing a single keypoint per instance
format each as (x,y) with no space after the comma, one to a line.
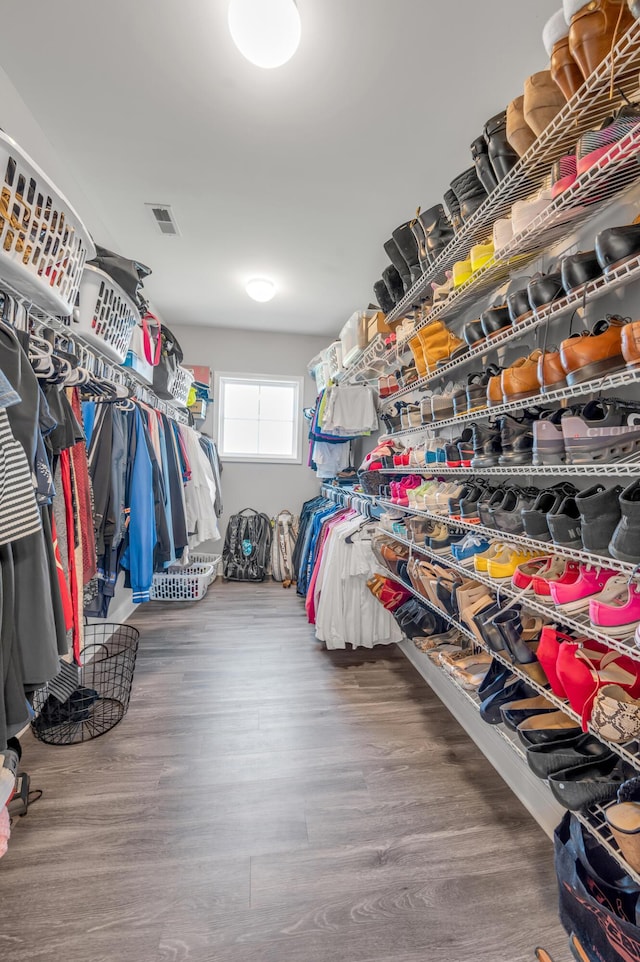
(266,487)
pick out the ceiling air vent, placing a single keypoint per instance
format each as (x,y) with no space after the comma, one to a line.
(163,218)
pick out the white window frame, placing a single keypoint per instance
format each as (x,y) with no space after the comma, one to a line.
(227,377)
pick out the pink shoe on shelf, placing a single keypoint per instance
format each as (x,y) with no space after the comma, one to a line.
(525,573)
(402,487)
(575,596)
(558,570)
(564,173)
(617,611)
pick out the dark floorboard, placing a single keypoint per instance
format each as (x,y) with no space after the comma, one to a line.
(267,801)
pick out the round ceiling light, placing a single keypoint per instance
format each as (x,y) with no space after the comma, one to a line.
(266,32)
(260,289)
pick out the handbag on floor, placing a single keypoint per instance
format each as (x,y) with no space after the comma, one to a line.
(598,901)
(283,544)
(247,546)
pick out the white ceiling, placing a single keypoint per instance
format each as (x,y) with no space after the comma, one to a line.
(298,174)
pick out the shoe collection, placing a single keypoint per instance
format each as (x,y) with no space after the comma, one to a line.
(600,686)
(598,432)
(599,520)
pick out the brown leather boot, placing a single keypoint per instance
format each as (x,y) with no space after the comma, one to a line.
(551,374)
(543,99)
(519,133)
(520,381)
(594,30)
(564,70)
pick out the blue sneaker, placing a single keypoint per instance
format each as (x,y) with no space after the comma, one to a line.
(466,550)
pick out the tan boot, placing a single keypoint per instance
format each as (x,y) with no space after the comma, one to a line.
(438,344)
(519,133)
(415,345)
(543,99)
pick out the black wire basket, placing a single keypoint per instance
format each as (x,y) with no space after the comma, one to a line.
(102,695)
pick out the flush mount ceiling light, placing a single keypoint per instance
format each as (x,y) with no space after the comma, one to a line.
(266,32)
(260,289)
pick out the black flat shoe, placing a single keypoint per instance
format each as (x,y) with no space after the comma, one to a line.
(490,707)
(589,784)
(546,759)
(515,712)
(576,270)
(495,680)
(616,245)
(551,727)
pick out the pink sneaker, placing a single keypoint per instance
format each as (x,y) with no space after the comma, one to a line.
(403,486)
(558,570)
(576,595)
(564,173)
(524,574)
(617,611)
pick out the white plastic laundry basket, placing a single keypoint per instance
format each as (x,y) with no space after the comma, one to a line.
(106,316)
(43,242)
(186,584)
(180,385)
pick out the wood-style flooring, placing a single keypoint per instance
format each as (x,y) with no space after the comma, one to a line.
(267,801)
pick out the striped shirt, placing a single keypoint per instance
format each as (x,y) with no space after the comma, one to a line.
(19,514)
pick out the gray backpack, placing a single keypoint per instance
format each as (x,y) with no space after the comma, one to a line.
(247,545)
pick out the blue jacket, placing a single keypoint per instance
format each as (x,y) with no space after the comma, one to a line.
(138,556)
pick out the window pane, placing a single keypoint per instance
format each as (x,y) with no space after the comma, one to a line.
(277,402)
(276,438)
(241,401)
(240,437)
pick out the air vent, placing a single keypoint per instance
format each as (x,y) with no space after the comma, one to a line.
(163,218)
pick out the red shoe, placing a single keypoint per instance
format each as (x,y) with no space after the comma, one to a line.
(559,571)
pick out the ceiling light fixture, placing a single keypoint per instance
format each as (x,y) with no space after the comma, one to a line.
(266,32)
(260,289)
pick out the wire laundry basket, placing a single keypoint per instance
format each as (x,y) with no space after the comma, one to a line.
(104,690)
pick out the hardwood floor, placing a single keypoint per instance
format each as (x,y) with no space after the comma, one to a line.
(267,801)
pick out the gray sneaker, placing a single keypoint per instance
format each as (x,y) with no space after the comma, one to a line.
(605,431)
(599,509)
(625,543)
(564,524)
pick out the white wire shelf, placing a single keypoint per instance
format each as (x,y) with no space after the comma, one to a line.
(367,361)
(625,274)
(543,547)
(586,110)
(618,469)
(628,752)
(612,382)
(593,818)
(89,353)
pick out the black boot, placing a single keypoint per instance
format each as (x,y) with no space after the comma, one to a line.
(395,287)
(502,155)
(383,298)
(453,207)
(408,247)
(421,241)
(469,191)
(438,230)
(482,161)
(395,256)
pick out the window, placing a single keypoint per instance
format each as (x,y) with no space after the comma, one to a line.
(259,417)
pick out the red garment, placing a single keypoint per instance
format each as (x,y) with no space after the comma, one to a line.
(65,595)
(84,499)
(328,525)
(67,488)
